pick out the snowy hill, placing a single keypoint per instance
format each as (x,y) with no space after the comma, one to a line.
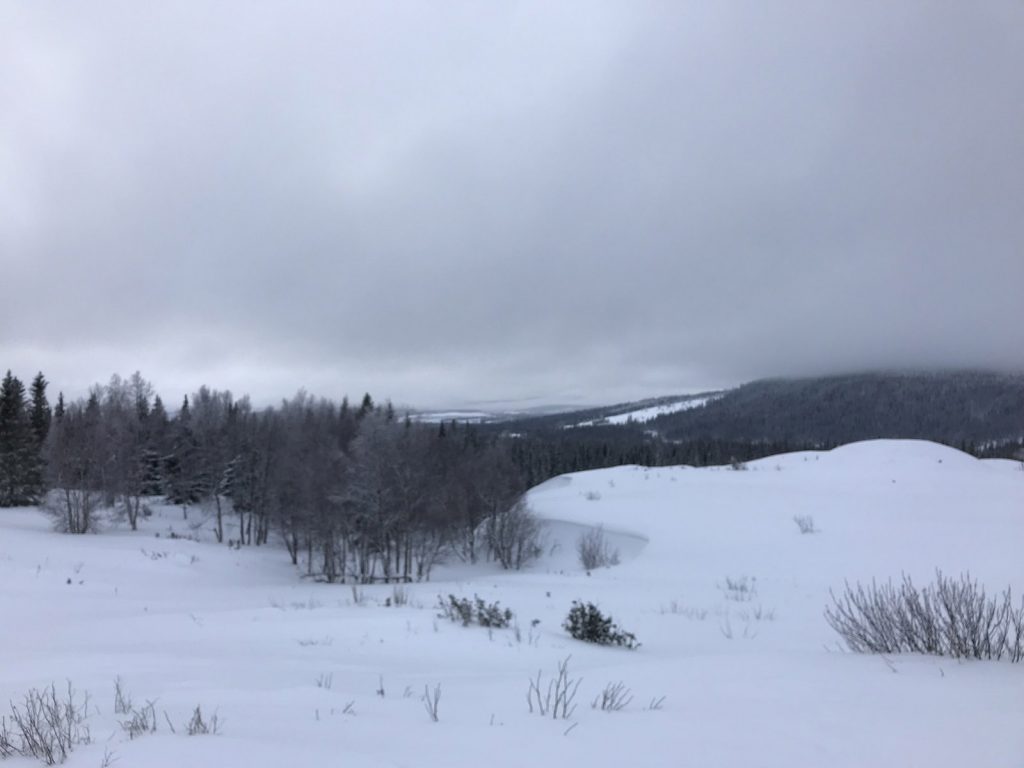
(649,413)
(724,592)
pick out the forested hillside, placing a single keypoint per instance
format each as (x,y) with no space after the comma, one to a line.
(969,409)
(979,412)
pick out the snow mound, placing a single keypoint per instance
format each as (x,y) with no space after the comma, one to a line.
(906,455)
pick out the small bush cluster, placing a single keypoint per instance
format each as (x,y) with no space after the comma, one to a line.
(140,721)
(46,726)
(475,611)
(805,523)
(593,550)
(201,726)
(952,617)
(740,590)
(586,622)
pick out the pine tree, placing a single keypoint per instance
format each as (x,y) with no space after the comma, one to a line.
(154,454)
(17,446)
(365,407)
(182,470)
(41,414)
(39,417)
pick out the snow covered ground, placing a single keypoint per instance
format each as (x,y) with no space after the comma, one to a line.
(746,677)
(642,415)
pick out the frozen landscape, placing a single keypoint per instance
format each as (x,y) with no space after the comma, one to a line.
(737,667)
(470,328)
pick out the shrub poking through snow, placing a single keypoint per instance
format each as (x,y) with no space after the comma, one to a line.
(560,693)
(739,590)
(613,698)
(586,622)
(593,550)
(431,701)
(491,614)
(46,726)
(805,523)
(952,617)
(200,726)
(475,611)
(140,721)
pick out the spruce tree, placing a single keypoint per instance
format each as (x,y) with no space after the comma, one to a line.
(39,417)
(182,464)
(365,407)
(41,414)
(154,455)
(17,446)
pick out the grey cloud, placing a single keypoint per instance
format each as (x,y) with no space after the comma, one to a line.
(466,202)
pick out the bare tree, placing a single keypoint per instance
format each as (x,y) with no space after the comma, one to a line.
(74,448)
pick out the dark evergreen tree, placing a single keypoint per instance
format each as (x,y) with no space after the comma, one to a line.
(41,413)
(39,417)
(19,456)
(181,465)
(366,407)
(155,449)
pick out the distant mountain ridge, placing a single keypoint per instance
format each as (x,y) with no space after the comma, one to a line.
(970,408)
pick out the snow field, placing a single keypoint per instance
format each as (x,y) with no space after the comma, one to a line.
(721,588)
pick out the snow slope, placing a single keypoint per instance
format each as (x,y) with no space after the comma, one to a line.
(642,415)
(747,682)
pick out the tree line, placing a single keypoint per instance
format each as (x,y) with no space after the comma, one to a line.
(354,493)
(980,413)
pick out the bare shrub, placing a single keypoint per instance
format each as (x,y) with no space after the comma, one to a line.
(122,699)
(46,726)
(613,698)
(431,700)
(951,617)
(739,590)
(325,681)
(200,726)
(689,612)
(656,704)
(758,613)
(140,721)
(593,550)
(73,510)
(8,741)
(805,523)
(560,694)
(513,536)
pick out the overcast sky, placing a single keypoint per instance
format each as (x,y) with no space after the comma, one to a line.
(447,203)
